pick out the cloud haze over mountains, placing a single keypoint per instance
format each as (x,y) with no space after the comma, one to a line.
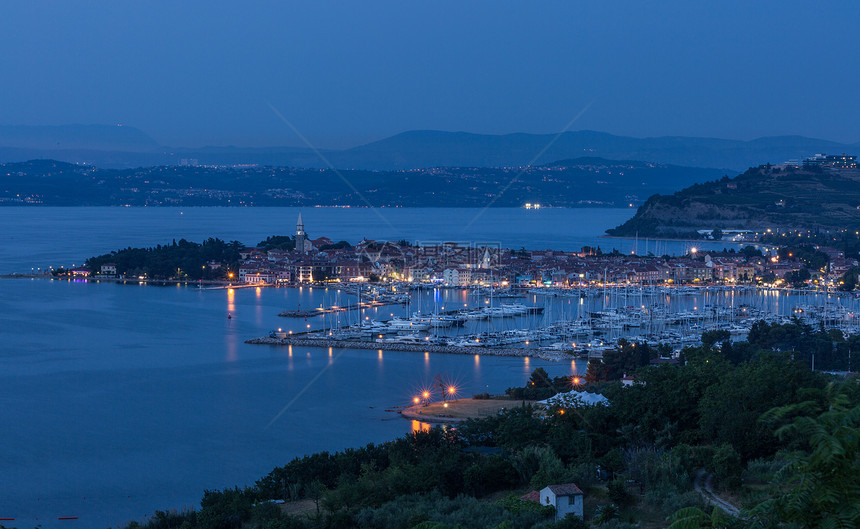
(114,146)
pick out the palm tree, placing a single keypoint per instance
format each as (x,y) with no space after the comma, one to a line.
(819,488)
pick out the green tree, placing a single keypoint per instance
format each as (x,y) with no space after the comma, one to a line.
(617,491)
(605,513)
(595,372)
(750,251)
(716,336)
(818,488)
(799,278)
(849,279)
(540,378)
(696,518)
(626,357)
(730,409)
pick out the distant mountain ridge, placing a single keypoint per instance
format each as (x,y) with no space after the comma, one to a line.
(124,147)
(77,137)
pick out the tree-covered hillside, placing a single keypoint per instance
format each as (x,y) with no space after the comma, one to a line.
(762,198)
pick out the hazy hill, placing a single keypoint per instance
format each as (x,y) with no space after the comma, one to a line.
(761,198)
(123,147)
(569,183)
(427,148)
(76,137)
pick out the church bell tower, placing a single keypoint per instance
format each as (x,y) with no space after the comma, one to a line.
(300,235)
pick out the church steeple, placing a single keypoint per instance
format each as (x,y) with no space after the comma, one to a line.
(300,235)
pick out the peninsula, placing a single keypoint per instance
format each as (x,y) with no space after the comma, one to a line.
(818,195)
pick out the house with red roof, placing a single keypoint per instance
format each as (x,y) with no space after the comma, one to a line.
(566,498)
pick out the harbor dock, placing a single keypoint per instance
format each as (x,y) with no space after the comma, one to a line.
(544,354)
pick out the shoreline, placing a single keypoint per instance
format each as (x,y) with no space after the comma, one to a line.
(223,285)
(543,354)
(669,239)
(205,285)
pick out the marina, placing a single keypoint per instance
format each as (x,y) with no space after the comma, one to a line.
(563,323)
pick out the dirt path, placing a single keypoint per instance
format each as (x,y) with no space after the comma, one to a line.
(704,485)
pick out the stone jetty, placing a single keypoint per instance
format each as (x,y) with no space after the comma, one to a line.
(543,354)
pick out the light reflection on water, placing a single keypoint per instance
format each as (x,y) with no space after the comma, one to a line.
(418,426)
(159,383)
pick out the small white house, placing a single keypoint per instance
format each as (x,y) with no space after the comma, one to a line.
(567,499)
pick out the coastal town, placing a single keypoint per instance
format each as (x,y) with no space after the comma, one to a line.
(481,264)
(458,264)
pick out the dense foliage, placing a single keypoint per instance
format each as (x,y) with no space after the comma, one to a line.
(278,242)
(781,437)
(177,260)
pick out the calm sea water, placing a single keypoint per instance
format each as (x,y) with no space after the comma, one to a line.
(34,238)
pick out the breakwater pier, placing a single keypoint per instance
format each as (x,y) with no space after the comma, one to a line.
(298,340)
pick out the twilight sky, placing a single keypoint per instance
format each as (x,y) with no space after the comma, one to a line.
(195,73)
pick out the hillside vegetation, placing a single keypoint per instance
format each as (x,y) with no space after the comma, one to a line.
(762,198)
